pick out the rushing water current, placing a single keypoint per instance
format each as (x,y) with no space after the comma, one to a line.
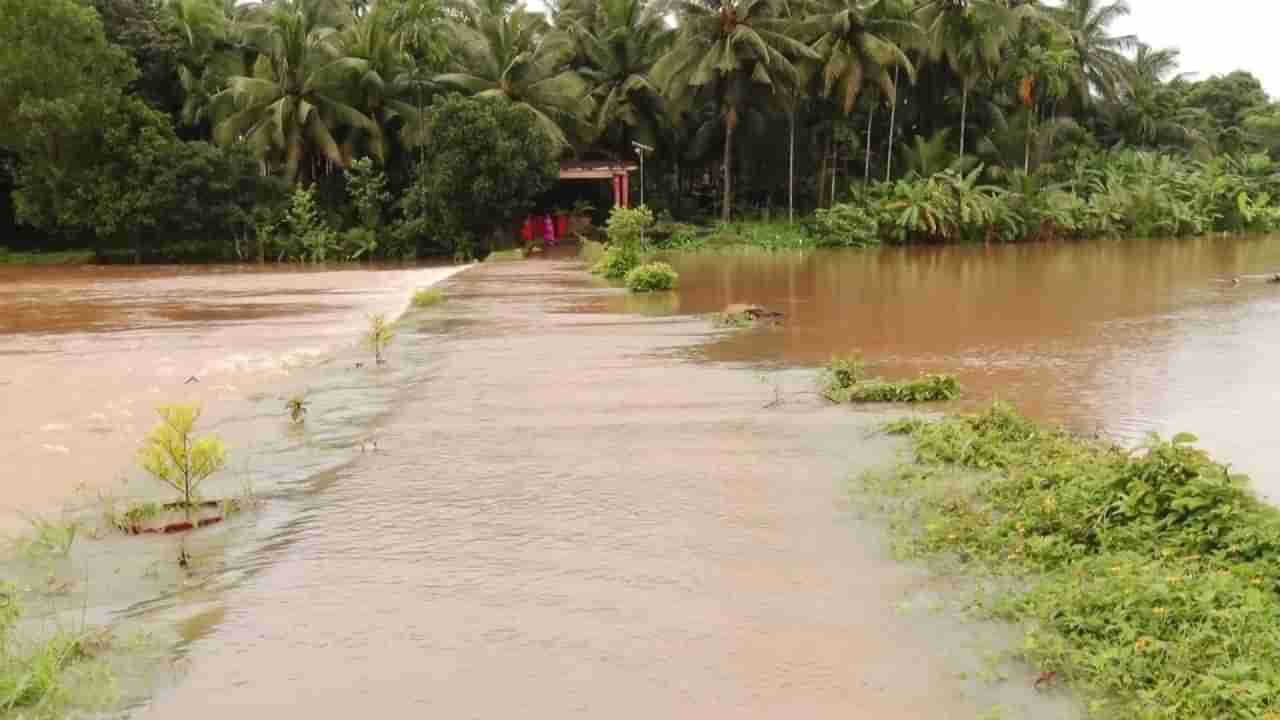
(558,500)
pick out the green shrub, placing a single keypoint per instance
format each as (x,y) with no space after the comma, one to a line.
(427,297)
(1148,579)
(359,243)
(378,335)
(627,225)
(844,225)
(652,277)
(617,261)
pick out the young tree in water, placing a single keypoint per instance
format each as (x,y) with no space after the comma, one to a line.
(487,162)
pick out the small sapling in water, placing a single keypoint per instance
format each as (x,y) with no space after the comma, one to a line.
(174,456)
(297,407)
(378,336)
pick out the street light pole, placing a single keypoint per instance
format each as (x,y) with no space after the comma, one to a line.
(641,150)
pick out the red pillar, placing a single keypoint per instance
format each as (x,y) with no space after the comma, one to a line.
(617,192)
(626,190)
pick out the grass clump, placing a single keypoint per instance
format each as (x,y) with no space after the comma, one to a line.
(64,257)
(652,277)
(174,456)
(32,674)
(1149,579)
(844,380)
(427,297)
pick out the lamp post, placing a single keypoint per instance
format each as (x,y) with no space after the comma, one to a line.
(641,150)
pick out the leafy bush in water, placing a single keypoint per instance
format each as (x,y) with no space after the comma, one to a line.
(627,225)
(844,225)
(617,261)
(652,277)
(844,380)
(926,388)
(427,297)
(1152,578)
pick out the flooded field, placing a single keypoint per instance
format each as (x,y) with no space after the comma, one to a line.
(559,500)
(1124,338)
(87,352)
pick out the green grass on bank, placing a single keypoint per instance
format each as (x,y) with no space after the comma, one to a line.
(35,676)
(65,257)
(1149,580)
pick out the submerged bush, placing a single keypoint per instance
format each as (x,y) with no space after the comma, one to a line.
(1151,578)
(617,261)
(652,277)
(427,297)
(844,380)
(378,335)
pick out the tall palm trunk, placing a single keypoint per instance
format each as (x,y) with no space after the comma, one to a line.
(791,169)
(730,125)
(822,172)
(893,119)
(866,171)
(964,117)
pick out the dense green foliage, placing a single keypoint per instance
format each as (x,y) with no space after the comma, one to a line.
(652,277)
(904,121)
(1152,577)
(488,163)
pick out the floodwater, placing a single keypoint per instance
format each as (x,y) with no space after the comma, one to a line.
(1124,338)
(549,503)
(88,352)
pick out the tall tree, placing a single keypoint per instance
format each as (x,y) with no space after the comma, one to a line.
(1101,60)
(732,54)
(287,110)
(969,36)
(513,55)
(621,42)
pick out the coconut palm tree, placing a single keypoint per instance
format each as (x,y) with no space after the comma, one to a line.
(289,109)
(735,53)
(861,44)
(621,44)
(1101,58)
(969,36)
(382,77)
(515,56)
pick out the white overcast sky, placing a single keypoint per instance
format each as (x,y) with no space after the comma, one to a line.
(1215,37)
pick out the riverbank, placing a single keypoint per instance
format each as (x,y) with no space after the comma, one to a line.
(64,257)
(1147,579)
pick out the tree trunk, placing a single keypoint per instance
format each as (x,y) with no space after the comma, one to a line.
(791,171)
(822,173)
(1026,156)
(866,171)
(964,117)
(730,125)
(893,119)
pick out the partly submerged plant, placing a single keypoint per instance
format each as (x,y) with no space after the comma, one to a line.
(652,277)
(427,297)
(174,456)
(49,537)
(297,407)
(844,380)
(617,261)
(379,335)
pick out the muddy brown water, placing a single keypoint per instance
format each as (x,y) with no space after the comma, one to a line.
(559,500)
(1124,337)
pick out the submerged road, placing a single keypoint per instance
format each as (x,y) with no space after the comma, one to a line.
(570,516)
